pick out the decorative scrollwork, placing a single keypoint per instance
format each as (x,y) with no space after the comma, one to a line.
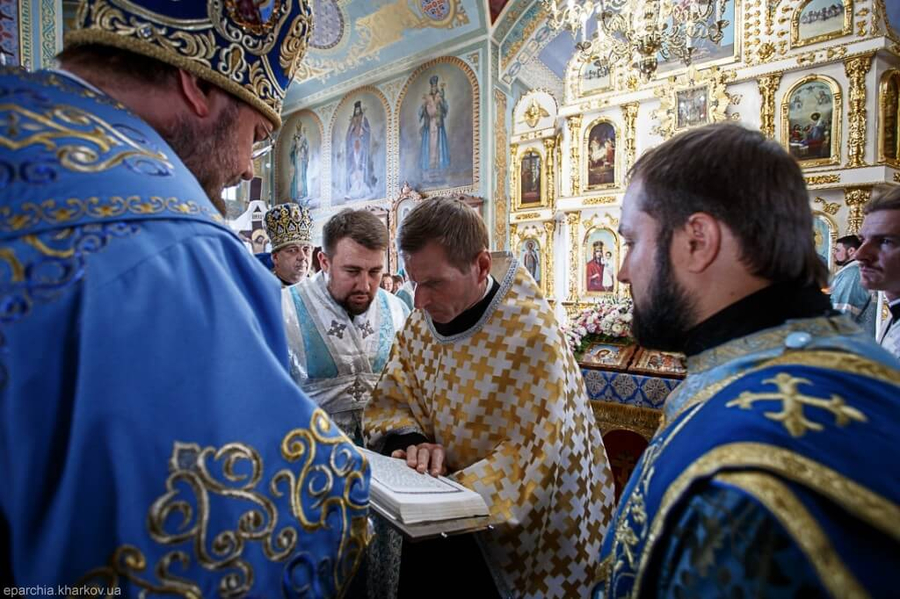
(857,68)
(80,141)
(323,494)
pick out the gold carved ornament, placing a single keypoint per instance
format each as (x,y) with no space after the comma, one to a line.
(855,198)
(857,68)
(717,99)
(630,112)
(573,219)
(500,168)
(828,207)
(574,160)
(822,179)
(550,172)
(768,86)
(549,229)
(534,113)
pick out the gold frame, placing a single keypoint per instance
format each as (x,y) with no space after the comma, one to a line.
(611,416)
(590,226)
(717,100)
(847,28)
(517,180)
(577,91)
(623,357)
(709,102)
(519,233)
(882,93)
(836,116)
(585,158)
(407,193)
(833,233)
(641,364)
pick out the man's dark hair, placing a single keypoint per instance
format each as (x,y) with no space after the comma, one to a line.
(849,241)
(361,226)
(449,221)
(749,183)
(120,64)
(884,199)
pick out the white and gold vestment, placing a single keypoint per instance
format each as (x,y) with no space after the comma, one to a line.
(507,401)
(337,358)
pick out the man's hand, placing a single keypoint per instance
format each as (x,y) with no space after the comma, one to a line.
(423,456)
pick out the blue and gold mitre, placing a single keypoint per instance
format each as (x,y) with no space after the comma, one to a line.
(250,48)
(287,224)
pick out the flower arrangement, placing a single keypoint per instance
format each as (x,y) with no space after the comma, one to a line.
(608,321)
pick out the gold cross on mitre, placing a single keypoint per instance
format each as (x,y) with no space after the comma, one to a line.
(791,415)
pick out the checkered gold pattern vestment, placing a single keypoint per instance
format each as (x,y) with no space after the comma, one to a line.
(507,402)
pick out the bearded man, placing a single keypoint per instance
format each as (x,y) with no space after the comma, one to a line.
(341,323)
(772,472)
(149,423)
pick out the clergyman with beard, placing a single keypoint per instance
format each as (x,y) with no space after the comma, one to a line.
(770,471)
(340,323)
(143,361)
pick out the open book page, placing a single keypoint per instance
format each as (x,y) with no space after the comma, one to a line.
(411,497)
(397,477)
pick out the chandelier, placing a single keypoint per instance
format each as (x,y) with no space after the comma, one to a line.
(640,31)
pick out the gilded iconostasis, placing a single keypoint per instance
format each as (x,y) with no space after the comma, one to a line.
(400,100)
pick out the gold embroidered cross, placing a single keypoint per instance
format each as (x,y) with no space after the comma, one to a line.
(793,401)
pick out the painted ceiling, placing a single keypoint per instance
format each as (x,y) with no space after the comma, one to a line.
(353,37)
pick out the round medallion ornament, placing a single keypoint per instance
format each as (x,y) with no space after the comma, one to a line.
(436,10)
(328,27)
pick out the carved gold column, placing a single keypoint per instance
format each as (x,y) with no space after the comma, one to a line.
(857,68)
(574,153)
(515,185)
(573,219)
(768,85)
(856,198)
(550,153)
(500,200)
(549,227)
(630,112)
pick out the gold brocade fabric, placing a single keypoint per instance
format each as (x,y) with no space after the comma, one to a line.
(507,401)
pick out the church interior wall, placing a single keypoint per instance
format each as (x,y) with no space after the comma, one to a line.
(753,87)
(398,132)
(750,80)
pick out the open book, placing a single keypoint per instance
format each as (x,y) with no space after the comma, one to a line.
(401,493)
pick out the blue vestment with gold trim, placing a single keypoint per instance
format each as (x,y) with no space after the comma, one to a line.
(151,437)
(773,474)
